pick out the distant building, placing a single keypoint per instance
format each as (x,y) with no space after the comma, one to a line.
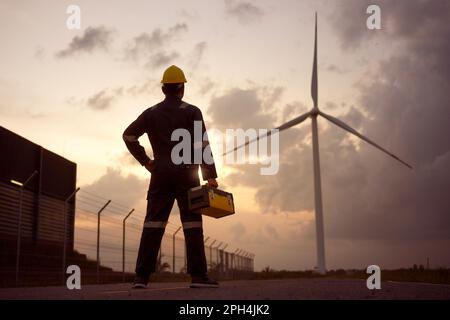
(43,202)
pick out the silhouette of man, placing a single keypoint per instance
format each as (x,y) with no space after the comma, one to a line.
(170,181)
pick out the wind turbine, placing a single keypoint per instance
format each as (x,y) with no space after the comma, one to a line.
(313,114)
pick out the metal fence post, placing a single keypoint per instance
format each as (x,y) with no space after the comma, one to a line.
(246,261)
(19,221)
(173,251)
(210,253)
(247,258)
(242,260)
(64,256)
(98,239)
(247,265)
(217,254)
(253,262)
(239,260)
(233,259)
(218,260)
(223,259)
(123,243)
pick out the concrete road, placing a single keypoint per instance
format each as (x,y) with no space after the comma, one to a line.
(293,289)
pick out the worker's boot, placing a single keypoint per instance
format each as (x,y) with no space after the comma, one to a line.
(140,282)
(203,282)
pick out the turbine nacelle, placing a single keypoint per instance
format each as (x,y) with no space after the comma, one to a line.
(314,112)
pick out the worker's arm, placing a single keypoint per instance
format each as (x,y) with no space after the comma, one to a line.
(208,169)
(131,135)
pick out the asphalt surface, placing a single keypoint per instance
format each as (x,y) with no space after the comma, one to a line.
(290,289)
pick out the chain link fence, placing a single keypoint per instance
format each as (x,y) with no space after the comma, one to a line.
(120,230)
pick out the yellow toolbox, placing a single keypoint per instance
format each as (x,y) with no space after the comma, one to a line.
(210,202)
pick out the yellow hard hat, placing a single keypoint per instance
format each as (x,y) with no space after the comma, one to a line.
(173,74)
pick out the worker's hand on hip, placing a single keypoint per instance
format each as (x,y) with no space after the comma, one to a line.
(150,165)
(212,183)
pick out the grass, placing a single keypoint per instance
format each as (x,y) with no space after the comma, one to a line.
(415,274)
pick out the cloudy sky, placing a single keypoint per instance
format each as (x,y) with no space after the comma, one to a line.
(248,65)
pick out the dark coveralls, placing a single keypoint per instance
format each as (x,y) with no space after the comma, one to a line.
(169,181)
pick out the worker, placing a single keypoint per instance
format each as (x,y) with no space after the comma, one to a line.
(170,181)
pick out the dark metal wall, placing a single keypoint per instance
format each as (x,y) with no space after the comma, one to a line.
(43,202)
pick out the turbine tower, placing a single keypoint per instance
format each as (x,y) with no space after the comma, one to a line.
(313,114)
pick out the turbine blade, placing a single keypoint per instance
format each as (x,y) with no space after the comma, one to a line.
(314,80)
(284,126)
(294,121)
(346,127)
